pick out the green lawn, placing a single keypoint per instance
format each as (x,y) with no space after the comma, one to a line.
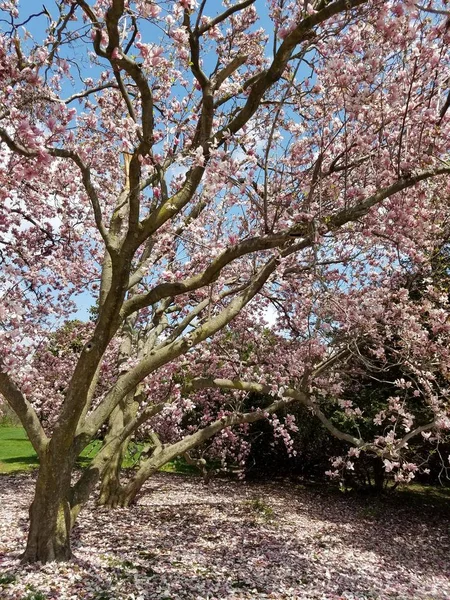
(17,454)
(16,451)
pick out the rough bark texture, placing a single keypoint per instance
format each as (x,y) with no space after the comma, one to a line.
(110,486)
(126,496)
(50,516)
(122,415)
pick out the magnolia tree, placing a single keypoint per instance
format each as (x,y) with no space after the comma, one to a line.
(199,171)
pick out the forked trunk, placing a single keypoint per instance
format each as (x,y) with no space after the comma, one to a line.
(113,496)
(116,495)
(50,517)
(127,495)
(124,496)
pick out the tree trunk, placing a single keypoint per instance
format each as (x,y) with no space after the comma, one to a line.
(111,487)
(50,516)
(127,495)
(123,496)
(121,416)
(379,475)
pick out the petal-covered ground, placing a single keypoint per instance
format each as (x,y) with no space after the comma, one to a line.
(229,541)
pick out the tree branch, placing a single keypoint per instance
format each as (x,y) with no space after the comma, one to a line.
(89,91)
(403,442)
(161,355)
(301,33)
(229,70)
(290,395)
(222,17)
(361,209)
(434,11)
(18,148)
(25,412)
(210,274)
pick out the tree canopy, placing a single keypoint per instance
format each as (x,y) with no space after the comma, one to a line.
(242,191)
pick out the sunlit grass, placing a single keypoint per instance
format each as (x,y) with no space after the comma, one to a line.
(16,451)
(17,454)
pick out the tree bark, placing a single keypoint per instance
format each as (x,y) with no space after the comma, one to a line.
(379,475)
(51,520)
(126,496)
(122,415)
(111,486)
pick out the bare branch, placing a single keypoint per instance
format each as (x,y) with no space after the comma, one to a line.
(209,275)
(229,70)
(97,88)
(361,209)
(125,96)
(63,21)
(16,146)
(230,11)
(181,327)
(90,189)
(418,430)
(434,11)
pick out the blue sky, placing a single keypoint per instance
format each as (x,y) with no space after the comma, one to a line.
(37,27)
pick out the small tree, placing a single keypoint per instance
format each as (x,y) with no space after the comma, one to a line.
(166,161)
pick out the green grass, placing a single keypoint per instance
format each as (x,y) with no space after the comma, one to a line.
(17,454)
(423,496)
(179,465)
(16,451)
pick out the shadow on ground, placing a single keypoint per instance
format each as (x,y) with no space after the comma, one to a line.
(229,540)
